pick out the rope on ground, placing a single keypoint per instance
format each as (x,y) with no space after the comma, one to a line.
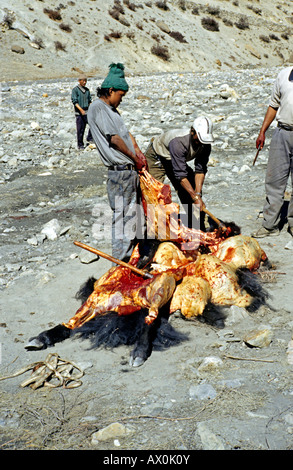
(52,372)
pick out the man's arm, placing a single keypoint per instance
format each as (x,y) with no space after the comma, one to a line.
(268,119)
(195,194)
(118,143)
(79,109)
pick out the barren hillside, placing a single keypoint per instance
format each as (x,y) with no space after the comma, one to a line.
(48,39)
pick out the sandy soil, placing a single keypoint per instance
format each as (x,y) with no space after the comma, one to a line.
(252,405)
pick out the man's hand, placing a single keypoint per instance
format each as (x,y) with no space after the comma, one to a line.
(140,163)
(199,202)
(260,141)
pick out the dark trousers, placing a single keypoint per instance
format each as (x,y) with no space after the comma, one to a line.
(81,122)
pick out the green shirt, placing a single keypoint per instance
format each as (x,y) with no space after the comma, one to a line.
(81,96)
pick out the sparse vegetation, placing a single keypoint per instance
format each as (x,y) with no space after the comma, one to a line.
(214,11)
(65,27)
(255,9)
(130,35)
(227,22)
(210,24)
(53,14)
(195,10)
(162,4)
(161,51)
(182,5)
(177,36)
(274,37)
(264,38)
(242,23)
(8,20)
(115,35)
(59,46)
(39,42)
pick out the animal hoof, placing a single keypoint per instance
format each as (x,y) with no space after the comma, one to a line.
(136,361)
(34,344)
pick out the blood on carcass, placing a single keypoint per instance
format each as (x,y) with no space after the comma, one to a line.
(181,274)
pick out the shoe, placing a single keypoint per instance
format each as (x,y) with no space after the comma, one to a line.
(81,148)
(263,232)
(290,230)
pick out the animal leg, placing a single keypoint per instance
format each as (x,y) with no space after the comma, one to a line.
(48,338)
(144,345)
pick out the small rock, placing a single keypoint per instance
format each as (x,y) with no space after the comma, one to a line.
(290,352)
(110,432)
(210,363)
(289,245)
(209,440)
(52,229)
(259,338)
(235,315)
(86,257)
(202,392)
(34,45)
(35,126)
(17,49)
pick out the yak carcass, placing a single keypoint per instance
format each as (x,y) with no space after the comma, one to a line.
(179,272)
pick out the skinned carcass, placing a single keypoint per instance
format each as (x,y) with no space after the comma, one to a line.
(191,297)
(181,277)
(240,251)
(163,218)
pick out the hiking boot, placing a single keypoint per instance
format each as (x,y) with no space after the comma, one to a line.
(290,230)
(263,232)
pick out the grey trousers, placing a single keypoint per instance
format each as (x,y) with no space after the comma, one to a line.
(128,221)
(280,166)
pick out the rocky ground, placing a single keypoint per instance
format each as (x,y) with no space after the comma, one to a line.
(180,399)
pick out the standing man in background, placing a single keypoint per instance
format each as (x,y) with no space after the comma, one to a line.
(81,99)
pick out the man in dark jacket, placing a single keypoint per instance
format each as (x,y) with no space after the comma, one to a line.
(81,99)
(169,154)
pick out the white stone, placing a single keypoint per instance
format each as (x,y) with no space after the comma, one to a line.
(52,229)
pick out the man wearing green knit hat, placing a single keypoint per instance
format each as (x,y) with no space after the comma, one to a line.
(120,153)
(115,78)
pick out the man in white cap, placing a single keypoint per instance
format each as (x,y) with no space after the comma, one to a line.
(169,154)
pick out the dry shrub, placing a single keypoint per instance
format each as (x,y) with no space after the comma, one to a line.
(274,37)
(65,27)
(161,51)
(8,20)
(59,46)
(124,21)
(115,34)
(227,22)
(264,38)
(195,10)
(114,13)
(130,35)
(242,23)
(53,14)
(162,4)
(210,24)
(177,36)
(214,11)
